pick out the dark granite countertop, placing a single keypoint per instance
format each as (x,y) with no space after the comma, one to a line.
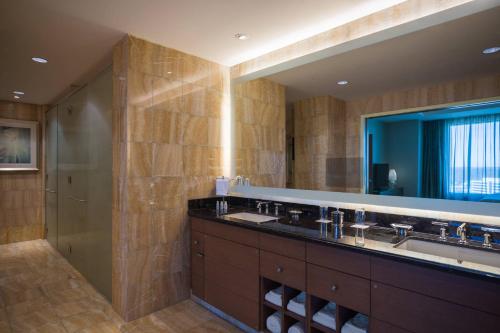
(379,241)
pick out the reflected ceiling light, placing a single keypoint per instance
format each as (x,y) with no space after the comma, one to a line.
(169,72)
(342,82)
(16,92)
(241,36)
(40,60)
(16,97)
(491,50)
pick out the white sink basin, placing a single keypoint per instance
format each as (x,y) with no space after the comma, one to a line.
(451,251)
(256,218)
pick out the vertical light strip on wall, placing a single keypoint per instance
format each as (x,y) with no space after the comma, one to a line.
(226,129)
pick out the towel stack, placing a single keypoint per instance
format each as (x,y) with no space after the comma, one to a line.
(275,296)
(297,304)
(326,316)
(273,322)
(357,324)
(297,328)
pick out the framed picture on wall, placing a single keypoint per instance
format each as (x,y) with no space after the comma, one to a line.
(18,145)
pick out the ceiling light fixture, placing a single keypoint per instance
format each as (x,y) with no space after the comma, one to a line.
(342,82)
(17,92)
(491,50)
(40,60)
(241,36)
(16,97)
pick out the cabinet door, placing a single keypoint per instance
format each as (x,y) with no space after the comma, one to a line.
(422,314)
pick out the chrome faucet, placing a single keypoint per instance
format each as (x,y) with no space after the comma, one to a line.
(462,233)
(259,206)
(442,229)
(277,208)
(402,230)
(487,236)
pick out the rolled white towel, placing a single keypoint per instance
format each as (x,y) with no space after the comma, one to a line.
(273,323)
(296,328)
(326,316)
(357,324)
(275,296)
(297,304)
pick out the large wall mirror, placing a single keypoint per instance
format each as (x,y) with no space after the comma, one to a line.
(417,115)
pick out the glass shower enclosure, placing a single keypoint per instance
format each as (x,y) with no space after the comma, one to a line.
(79,170)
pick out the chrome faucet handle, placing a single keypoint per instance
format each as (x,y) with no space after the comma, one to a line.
(462,233)
(442,229)
(487,236)
(277,208)
(402,229)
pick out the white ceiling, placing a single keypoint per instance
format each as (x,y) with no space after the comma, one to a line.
(77,36)
(449,51)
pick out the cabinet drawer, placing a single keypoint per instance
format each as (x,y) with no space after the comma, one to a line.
(290,272)
(233,254)
(423,314)
(341,260)
(377,326)
(197,242)
(474,293)
(198,224)
(288,247)
(198,286)
(244,310)
(235,234)
(239,281)
(347,290)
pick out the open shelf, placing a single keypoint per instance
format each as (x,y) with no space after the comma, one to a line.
(316,327)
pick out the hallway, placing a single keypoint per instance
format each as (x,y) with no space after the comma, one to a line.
(41,292)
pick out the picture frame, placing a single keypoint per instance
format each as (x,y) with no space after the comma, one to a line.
(18,145)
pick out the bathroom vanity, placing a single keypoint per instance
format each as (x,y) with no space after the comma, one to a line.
(236,262)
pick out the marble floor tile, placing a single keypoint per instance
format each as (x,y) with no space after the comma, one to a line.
(40,292)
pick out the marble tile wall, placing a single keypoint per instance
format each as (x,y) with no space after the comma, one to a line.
(319,127)
(21,193)
(259,120)
(447,92)
(167,149)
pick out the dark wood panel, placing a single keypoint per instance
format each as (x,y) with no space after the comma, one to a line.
(198,263)
(243,309)
(197,242)
(198,224)
(339,259)
(288,247)
(235,234)
(291,272)
(344,289)
(377,326)
(423,314)
(239,281)
(475,293)
(237,255)
(198,286)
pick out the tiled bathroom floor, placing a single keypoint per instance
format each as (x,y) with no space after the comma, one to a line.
(41,292)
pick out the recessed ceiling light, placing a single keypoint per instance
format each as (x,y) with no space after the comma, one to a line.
(342,82)
(169,72)
(491,50)
(16,97)
(40,60)
(241,36)
(17,92)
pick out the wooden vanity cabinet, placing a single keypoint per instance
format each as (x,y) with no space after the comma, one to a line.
(233,268)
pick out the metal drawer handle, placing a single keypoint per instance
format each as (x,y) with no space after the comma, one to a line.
(49,190)
(334,288)
(196,242)
(199,254)
(76,199)
(279,269)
